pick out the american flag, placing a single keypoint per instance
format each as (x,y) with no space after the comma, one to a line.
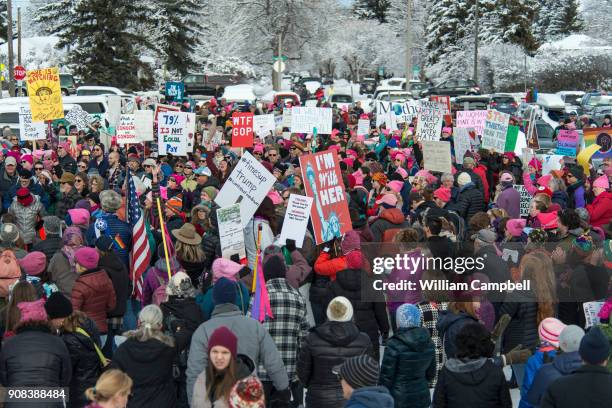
(140,256)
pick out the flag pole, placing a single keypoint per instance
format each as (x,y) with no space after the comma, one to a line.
(258,252)
(163,231)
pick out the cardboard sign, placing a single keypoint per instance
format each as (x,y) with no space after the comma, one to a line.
(437,156)
(363,127)
(174,131)
(231,232)
(323,182)
(175,91)
(463,142)
(494,133)
(143,123)
(567,142)
(29,130)
(248,184)
(242,129)
(45,94)
(525,199)
(305,119)
(429,125)
(472,119)
(296,219)
(601,137)
(77,116)
(263,125)
(444,101)
(126,130)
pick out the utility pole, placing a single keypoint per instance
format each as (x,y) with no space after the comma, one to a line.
(408,44)
(9,34)
(277,75)
(475,74)
(19,47)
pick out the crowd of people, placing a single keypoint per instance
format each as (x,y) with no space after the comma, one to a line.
(75,316)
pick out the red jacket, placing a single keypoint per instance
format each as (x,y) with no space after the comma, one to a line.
(326,266)
(94,295)
(481,170)
(601,209)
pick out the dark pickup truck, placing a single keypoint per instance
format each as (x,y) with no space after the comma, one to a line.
(209,84)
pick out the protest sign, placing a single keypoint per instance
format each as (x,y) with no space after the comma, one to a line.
(429,125)
(601,137)
(385,115)
(363,127)
(437,156)
(175,91)
(494,133)
(114,110)
(231,233)
(29,130)
(159,108)
(173,133)
(444,101)
(143,123)
(511,138)
(585,155)
(408,110)
(323,182)
(248,184)
(78,117)
(567,142)
(296,219)
(591,312)
(287,118)
(242,129)
(525,199)
(278,122)
(551,162)
(472,119)
(305,119)
(45,94)
(463,143)
(263,125)
(126,130)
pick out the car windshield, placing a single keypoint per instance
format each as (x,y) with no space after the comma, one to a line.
(9,117)
(572,99)
(396,82)
(599,100)
(192,79)
(544,131)
(342,98)
(90,92)
(93,107)
(503,99)
(66,81)
(418,87)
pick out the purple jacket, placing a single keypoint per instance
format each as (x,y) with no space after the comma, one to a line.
(151,283)
(510,200)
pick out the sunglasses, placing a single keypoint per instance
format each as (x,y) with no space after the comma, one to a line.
(272,154)
(202,160)
(39,168)
(293,148)
(97,149)
(78,180)
(180,166)
(82,166)
(257,153)
(24,162)
(147,165)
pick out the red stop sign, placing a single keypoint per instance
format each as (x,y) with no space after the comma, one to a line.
(19,73)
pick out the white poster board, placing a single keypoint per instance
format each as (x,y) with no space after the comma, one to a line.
(410,109)
(126,130)
(385,115)
(591,310)
(525,199)
(363,127)
(263,125)
(305,119)
(286,118)
(173,133)
(551,162)
(231,232)
(296,219)
(114,110)
(78,117)
(143,122)
(495,130)
(248,184)
(29,130)
(429,125)
(472,119)
(463,142)
(437,156)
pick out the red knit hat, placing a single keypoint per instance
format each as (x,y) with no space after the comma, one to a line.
(224,337)
(443,194)
(24,197)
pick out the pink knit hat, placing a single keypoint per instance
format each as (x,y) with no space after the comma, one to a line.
(224,268)
(395,185)
(549,330)
(259,148)
(602,182)
(79,216)
(179,178)
(358,177)
(443,194)
(402,172)
(427,175)
(275,197)
(543,181)
(506,177)
(87,257)
(32,310)
(350,242)
(536,164)
(34,263)
(388,199)
(515,226)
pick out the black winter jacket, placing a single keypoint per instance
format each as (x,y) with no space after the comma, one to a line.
(469,202)
(49,246)
(149,365)
(326,347)
(471,383)
(523,326)
(408,364)
(118,274)
(67,202)
(185,315)
(589,386)
(449,324)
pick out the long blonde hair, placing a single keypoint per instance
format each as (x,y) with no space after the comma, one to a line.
(188,252)
(111,383)
(537,267)
(150,326)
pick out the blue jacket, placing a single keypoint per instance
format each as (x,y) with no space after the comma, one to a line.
(110,225)
(370,397)
(205,300)
(564,364)
(535,362)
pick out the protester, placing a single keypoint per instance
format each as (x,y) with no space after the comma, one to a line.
(358,377)
(112,389)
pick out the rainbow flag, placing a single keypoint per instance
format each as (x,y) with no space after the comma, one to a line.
(261,302)
(119,242)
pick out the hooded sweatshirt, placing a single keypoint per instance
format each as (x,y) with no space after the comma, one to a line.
(563,364)
(370,397)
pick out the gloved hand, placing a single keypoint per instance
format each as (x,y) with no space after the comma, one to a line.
(280,399)
(235,258)
(517,355)
(290,245)
(500,327)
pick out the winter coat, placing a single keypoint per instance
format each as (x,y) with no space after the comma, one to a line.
(408,364)
(61,273)
(35,189)
(102,166)
(194,270)
(328,267)
(260,347)
(86,365)
(149,365)
(495,268)
(67,202)
(563,364)
(561,198)
(469,202)
(186,313)
(600,209)
(481,171)
(27,218)
(118,274)
(576,195)
(370,397)
(543,355)
(35,358)
(49,246)
(111,226)
(370,317)
(449,324)
(250,238)
(68,164)
(523,327)
(510,200)
(327,346)
(7,182)
(476,180)
(93,294)
(588,386)
(389,219)
(205,301)
(471,383)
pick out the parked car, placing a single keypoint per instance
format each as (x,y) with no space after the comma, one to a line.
(284,97)
(416,87)
(572,100)
(545,135)
(240,95)
(210,85)
(552,106)
(367,86)
(310,84)
(590,100)
(599,112)
(470,102)
(453,87)
(91,90)
(504,103)
(342,101)
(394,83)
(395,96)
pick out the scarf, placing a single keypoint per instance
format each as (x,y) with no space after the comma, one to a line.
(73,240)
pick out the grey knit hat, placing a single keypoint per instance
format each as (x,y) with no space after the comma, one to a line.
(9,233)
(52,224)
(358,372)
(110,201)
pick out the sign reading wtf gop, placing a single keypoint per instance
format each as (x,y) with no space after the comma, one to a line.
(242,129)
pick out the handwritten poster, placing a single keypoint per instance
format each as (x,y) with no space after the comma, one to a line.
(429,125)
(78,117)
(242,129)
(126,130)
(363,127)
(28,129)
(463,142)
(264,124)
(45,94)
(567,142)
(472,119)
(305,119)
(296,219)
(495,131)
(437,156)
(175,131)
(231,232)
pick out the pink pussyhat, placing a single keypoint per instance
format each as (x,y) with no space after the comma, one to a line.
(358,177)
(602,182)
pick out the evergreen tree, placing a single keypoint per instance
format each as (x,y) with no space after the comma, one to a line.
(556,19)
(446,26)
(3,19)
(372,9)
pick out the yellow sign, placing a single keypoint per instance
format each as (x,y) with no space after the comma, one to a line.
(585,155)
(45,94)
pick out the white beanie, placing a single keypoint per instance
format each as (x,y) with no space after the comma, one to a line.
(340,310)
(570,337)
(463,179)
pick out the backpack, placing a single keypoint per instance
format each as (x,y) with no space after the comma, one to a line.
(160,295)
(172,325)
(10,271)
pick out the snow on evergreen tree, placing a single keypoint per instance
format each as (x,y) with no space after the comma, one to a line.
(598,14)
(3,20)
(447,24)
(372,9)
(556,19)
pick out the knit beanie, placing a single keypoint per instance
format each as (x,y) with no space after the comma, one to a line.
(550,329)
(224,291)
(359,372)
(463,179)
(570,337)
(211,192)
(34,263)
(224,268)
(224,337)
(247,393)
(9,233)
(52,224)
(274,268)
(408,315)
(58,306)
(602,182)
(594,346)
(340,309)
(87,257)
(32,310)
(350,242)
